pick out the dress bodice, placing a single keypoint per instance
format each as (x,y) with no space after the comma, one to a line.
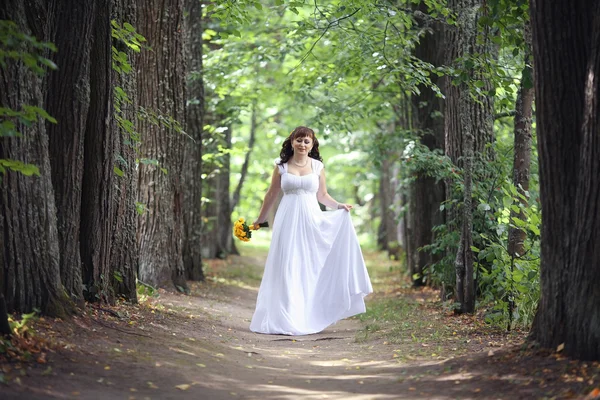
(294,184)
(305,184)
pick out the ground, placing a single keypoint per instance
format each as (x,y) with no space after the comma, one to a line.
(198,346)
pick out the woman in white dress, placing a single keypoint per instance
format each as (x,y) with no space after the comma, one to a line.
(315,274)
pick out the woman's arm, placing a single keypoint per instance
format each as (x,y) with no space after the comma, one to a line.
(324,197)
(270,197)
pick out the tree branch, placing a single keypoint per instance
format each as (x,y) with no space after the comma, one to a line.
(329,25)
(505,114)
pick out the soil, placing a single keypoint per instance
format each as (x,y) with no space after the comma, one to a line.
(198,346)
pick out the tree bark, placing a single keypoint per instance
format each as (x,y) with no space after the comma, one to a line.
(224,235)
(124,255)
(68,100)
(566,50)
(29,244)
(468,128)
(161,91)
(97,202)
(426,193)
(4,324)
(522,146)
(192,175)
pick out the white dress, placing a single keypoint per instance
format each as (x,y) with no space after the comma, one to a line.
(315,274)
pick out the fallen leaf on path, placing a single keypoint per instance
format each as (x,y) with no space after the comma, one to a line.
(152,385)
(201,365)
(184,386)
(560,347)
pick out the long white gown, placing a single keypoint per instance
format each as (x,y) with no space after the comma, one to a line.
(315,274)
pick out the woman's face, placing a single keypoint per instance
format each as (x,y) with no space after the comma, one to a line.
(302,145)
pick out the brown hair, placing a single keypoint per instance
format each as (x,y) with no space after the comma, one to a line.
(286,148)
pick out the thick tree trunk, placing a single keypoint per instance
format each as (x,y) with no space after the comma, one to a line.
(124,255)
(566,50)
(192,172)
(426,193)
(68,100)
(29,245)
(468,128)
(161,91)
(97,210)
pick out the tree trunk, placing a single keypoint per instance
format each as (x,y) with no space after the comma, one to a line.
(124,255)
(244,171)
(4,324)
(192,175)
(426,193)
(97,210)
(29,244)
(521,162)
(68,100)
(468,128)
(566,50)
(162,90)
(522,146)
(224,235)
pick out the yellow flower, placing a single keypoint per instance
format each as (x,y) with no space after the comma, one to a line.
(241,220)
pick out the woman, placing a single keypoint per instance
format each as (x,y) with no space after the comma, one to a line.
(315,273)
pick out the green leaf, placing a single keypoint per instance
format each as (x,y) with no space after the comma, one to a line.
(118,171)
(140,208)
(18,166)
(8,128)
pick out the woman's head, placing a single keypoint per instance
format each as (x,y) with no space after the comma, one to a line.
(301,138)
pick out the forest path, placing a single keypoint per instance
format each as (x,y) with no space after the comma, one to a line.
(199,347)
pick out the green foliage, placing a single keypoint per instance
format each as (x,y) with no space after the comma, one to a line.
(18,166)
(145,291)
(505,279)
(127,36)
(21,48)
(19,327)
(16,45)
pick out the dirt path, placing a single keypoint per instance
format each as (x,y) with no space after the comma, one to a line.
(199,347)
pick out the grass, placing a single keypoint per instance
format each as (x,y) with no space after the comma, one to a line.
(416,322)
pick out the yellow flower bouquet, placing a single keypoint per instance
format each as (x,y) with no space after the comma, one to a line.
(243,231)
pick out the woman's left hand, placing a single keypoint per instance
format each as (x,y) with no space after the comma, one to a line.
(346,207)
